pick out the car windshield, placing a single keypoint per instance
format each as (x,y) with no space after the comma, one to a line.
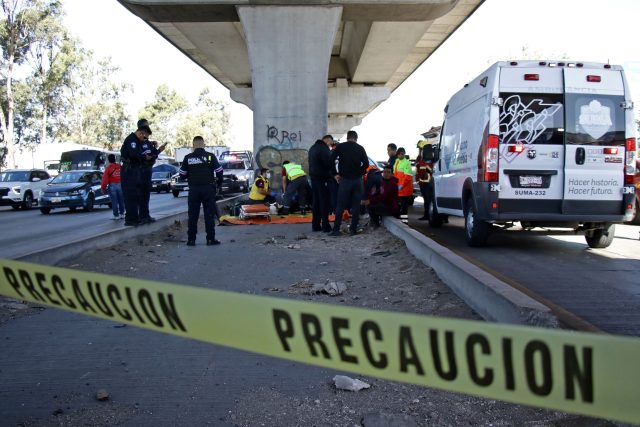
(68,177)
(14,176)
(160,175)
(233,165)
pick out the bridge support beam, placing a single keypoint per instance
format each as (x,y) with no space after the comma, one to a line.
(289,51)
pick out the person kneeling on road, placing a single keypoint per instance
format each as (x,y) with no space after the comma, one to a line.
(202,171)
(294,180)
(383,200)
(259,193)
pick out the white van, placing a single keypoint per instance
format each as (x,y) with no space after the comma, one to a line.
(546,144)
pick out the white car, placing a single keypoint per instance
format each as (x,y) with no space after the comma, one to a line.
(20,188)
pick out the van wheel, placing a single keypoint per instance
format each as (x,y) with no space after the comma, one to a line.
(435,220)
(476,232)
(45,211)
(176,193)
(602,237)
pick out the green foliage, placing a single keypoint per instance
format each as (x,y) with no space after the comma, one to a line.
(164,113)
(97,115)
(210,119)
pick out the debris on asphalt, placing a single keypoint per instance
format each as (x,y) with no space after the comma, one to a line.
(102,395)
(344,382)
(382,253)
(301,236)
(293,246)
(306,283)
(330,288)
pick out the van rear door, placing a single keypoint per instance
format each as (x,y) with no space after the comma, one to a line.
(594,141)
(531,141)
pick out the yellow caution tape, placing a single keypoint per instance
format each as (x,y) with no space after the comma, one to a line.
(589,374)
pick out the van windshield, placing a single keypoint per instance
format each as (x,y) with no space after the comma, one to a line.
(595,119)
(531,118)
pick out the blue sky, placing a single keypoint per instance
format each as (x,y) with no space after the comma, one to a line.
(583,30)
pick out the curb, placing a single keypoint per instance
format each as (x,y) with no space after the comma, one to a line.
(490,297)
(55,254)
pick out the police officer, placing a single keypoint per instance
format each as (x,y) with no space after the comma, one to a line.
(202,170)
(132,157)
(148,148)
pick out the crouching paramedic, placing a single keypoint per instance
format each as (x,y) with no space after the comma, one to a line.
(293,180)
(260,189)
(202,171)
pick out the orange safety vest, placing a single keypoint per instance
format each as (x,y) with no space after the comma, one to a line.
(402,171)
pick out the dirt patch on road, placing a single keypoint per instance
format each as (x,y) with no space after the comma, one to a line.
(373,270)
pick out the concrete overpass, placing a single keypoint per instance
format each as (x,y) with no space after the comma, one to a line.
(305,68)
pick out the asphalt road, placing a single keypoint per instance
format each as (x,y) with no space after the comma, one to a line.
(26,231)
(601,286)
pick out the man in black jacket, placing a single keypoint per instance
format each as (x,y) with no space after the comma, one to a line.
(202,171)
(352,165)
(320,171)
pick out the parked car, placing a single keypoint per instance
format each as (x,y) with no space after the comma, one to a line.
(20,188)
(161,181)
(237,177)
(178,184)
(74,189)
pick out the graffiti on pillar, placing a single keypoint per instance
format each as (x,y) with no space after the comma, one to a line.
(282,138)
(280,147)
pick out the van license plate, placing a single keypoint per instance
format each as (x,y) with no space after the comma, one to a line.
(530,181)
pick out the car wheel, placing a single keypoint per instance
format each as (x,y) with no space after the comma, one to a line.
(476,232)
(27,203)
(435,220)
(176,193)
(88,207)
(602,237)
(45,211)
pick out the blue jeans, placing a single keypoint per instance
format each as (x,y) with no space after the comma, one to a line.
(117,199)
(349,194)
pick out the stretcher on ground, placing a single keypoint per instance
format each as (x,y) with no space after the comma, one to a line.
(254,211)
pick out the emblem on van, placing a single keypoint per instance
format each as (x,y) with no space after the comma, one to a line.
(531,154)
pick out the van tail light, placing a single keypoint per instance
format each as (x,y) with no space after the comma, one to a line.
(593,79)
(611,150)
(629,166)
(491,158)
(516,148)
(533,77)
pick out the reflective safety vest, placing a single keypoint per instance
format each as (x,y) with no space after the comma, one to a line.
(293,170)
(402,171)
(254,194)
(424,172)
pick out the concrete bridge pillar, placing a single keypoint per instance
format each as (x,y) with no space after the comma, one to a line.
(289,51)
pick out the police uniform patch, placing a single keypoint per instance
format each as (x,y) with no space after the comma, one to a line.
(133,145)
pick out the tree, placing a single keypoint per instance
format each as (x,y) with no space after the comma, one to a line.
(210,120)
(164,113)
(97,115)
(52,58)
(17,32)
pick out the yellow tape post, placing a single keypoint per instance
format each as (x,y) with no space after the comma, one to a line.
(590,374)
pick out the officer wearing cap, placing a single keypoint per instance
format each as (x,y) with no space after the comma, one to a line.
(146,171)
(132,157)
(202,171)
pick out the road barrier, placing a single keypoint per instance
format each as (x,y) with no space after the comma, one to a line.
(582,373)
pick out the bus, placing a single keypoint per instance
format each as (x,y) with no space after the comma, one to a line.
(85,159)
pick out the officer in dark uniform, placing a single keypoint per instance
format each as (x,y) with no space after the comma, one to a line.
(131,175)
(148,148)
(202,171)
